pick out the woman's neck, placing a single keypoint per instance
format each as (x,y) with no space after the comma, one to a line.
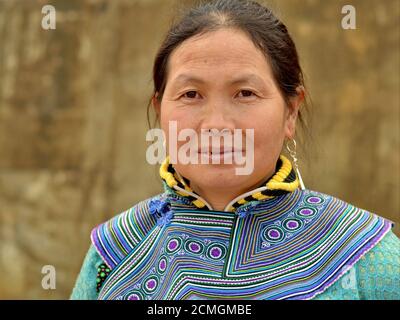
(219,198)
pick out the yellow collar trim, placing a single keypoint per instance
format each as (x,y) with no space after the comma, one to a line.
(284,180)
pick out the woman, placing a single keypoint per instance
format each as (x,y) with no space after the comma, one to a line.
(212,233)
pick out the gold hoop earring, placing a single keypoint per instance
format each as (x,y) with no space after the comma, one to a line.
(293,154)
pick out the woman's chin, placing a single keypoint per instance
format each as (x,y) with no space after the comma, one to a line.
(218,176)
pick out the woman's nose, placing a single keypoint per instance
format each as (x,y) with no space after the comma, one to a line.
(217,117)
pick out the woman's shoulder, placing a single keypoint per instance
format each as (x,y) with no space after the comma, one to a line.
(373,269)
(343,208)
(361,224)
(334,203)
(115,238)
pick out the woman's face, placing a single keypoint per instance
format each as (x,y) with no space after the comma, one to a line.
(220,80)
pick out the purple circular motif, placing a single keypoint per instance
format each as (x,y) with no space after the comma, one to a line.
(194,247)
(216,251)
(151,284)
(273,234)
(306,212)
(292,224)
(132,295)
(162,264)
(173,245)
(314,200)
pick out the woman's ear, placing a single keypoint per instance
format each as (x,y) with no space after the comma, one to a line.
(293,111)
(156,104)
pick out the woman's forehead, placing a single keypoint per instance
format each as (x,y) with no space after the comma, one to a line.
(217,46)
(215,53)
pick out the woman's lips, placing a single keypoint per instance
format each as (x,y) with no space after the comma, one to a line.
(218,150)
(220,156)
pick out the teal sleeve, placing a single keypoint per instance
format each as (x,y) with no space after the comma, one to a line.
(378,272)
(85,285)
(376,276)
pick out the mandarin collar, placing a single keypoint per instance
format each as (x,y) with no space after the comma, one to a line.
(177,188)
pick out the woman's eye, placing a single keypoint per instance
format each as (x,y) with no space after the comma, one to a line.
(247,93)
(190,94)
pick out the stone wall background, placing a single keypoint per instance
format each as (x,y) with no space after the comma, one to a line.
(73,120)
